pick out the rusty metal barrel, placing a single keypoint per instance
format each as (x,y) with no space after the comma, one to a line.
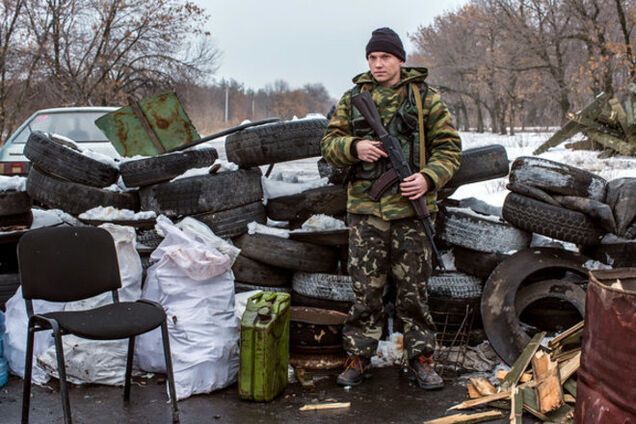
(606,382)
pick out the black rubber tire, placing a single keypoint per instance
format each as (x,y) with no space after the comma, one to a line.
(204,193)
(474,262)
(55,159)
(557,178)
(554,289)
(14,203)
(75,198)
(240,287)
(505,333)
(301,300)
(323,286)
(558,223)
(153,170)
(9,284)
(468,230)
(329,200)
(21,221)
(481,164)
(455,285)
(618,254)
(253,272)
(288,254)
(233,222)
(278,142)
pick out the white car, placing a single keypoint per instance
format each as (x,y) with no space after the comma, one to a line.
(76,123)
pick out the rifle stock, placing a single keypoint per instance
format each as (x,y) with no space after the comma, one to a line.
(364,103)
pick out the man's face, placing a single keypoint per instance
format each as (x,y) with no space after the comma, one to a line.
(384,67)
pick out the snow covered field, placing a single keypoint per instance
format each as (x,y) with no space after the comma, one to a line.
(493,191)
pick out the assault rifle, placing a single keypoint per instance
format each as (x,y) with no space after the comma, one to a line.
(364,103)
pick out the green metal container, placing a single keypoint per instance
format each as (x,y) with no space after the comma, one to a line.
(264,346)
(149,127)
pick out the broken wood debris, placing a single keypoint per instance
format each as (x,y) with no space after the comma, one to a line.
(467,418)
(543,395)
(323,406)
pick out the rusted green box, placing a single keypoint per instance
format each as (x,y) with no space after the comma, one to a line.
(149,127)
(264,346)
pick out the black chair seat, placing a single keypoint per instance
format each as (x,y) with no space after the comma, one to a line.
(110,322)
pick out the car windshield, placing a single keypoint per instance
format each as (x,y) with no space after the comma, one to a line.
(78,126)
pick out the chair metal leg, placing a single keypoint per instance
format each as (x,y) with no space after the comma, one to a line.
(168,356)
(61,370)
(28,367)
(129,364)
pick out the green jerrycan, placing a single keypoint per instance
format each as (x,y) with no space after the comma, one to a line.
(264,346)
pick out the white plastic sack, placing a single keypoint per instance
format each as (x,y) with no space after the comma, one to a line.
(202,233)
(193,282)
(99,361)
(15,336)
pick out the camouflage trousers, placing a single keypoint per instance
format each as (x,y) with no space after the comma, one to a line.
(377,247)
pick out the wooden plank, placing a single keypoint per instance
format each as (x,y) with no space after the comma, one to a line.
(559,340)
(473,393)
(549,392)
(618,113)
(530,403)
(483,386)
(481,401)
(467,418)
(568,398)
(522,362)
(323,406)
(525,377)
(569,367)
(570,129)
(565,356)
(565,414)
(516,409)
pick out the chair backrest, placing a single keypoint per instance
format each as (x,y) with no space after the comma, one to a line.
(64,264)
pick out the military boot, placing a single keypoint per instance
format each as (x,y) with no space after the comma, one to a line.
(423,371)
(354,371)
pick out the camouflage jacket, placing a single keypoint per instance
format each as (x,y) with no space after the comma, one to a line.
(443,145)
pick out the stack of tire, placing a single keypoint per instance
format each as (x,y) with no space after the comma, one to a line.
(543,288)
(15,214)
(62,177)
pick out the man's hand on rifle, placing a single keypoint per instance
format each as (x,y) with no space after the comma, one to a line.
(414,186)
(370,150)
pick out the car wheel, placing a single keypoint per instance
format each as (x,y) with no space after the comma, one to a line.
(14,203)
(278,142)
(323,286)
(56,159)
(250,271)
(330,200)
(288,254)
(75,198)
(204,193)
(233,222)
(148,171)
(556,222)
(557,178)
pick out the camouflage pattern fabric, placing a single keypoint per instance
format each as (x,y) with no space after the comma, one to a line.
(377,247)
(443,145)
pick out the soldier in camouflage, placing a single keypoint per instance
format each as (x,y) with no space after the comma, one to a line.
(385,235)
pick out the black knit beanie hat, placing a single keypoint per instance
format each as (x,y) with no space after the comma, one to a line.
(386,40)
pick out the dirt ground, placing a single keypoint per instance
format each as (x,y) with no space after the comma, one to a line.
(387,397)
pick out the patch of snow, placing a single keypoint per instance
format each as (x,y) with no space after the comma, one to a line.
(132,158)
(613,238)
(322,222)
(51,218)
(256,228)
(109,213)
(592,265)
(277,224)
(448,258)
(273,189)
(99,157)
(113,187)
(472,213)
(225,166)
(309,116)
(539,240)
(389,352)
(14,183)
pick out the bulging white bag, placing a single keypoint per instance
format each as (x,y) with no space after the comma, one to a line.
(101,361)
(192,280)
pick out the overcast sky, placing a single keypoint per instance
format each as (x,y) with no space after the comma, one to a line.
(307,41)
